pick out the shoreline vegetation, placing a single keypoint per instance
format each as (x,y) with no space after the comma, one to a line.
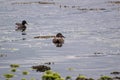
(49,74)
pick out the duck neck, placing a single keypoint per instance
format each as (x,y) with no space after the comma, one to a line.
(23,23)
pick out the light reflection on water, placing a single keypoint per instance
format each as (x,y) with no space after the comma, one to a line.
(86,32)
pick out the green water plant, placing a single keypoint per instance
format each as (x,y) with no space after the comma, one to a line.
(50,75)
(105,78)
(70,69)
(23,79)
(68,78)
(81,77)
(14,65)
(25,72)
(13,70)
(90,79)
(8,76)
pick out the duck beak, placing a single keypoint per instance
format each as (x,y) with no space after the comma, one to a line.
(63,36)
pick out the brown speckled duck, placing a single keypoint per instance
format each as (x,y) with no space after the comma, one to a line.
(21,26)
(58,40)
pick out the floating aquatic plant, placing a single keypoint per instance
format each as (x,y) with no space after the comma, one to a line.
(13,70)
(23,79)
(41,68)
(25,72)
(50,75)
(8,76)
(81,77)
(105,78)
(70,69)
(48,72)
(90,79)
(14,65)
(68,78)
(115,73)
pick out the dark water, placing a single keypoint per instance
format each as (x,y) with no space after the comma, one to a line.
(91,28)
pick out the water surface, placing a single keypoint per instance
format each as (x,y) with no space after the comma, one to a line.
(90,28)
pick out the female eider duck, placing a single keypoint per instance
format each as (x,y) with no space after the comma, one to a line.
(58,40)
(21,26)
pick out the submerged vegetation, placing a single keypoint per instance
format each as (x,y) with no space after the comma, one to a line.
(48,74)
(105,78)
(14,65)
(25,72)
(23,79)
(82,77)
(115,73)
(41,68)
(68,78)
(13,70)
(8,76)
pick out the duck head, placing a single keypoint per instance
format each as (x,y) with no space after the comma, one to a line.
(24,22)
(60,35)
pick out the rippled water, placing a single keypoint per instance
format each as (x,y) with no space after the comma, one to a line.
(90,28)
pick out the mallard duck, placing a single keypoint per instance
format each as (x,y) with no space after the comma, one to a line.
(21,26)
(58,40)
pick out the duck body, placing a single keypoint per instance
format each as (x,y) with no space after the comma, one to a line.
(21,26)
(58,40)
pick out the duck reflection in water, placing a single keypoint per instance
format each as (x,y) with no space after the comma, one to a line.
(58,40)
